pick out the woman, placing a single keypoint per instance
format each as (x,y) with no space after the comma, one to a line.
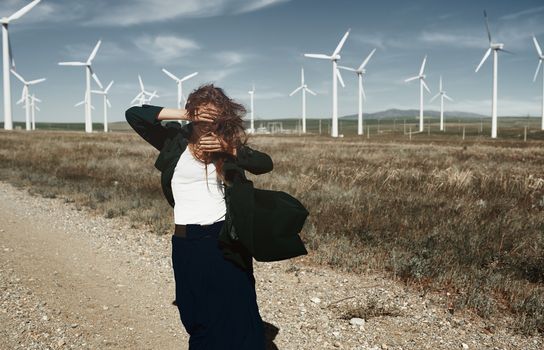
(215,296)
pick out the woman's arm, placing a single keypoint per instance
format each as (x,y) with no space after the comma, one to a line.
(254,161)
(173,114)
(146,121)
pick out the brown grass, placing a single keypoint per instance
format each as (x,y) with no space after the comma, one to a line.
(464,218)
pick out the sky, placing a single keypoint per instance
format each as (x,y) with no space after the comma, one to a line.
(237,43)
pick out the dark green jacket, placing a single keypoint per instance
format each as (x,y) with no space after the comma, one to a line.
(263,224)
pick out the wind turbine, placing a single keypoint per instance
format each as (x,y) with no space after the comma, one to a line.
(106,103)
(540,59)
(251,95)
(179,82)
(360,71)
(26,96)
(304,88)
(422,85)
(443,96)
(89,73)
(8,59)
(335,75)
(141,97)
(33,106)
(495,47)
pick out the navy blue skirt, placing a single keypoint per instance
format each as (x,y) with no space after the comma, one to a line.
(216,298)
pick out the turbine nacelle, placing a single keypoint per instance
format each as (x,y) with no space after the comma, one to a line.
(4,20)
(496,46)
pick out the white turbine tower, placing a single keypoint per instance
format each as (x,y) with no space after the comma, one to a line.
(422,85)
(33,106)
(179,82)
(304,88)
(251,95)
(25,96)
(144,97)
(540,59)
(89,73)
(360,71)
(495,47)
(106,103)
(335,75)
(443,96)
(8,60)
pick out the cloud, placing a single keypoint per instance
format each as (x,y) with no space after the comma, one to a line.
(259,4)
(231,58)
(128,13)
(109,51)
(452,39)
(516,15)
(165,48)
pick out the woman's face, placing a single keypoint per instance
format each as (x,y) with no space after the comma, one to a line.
(204,127)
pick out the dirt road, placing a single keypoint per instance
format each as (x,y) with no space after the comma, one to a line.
(69,279)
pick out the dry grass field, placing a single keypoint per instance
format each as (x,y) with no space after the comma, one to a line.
(462,218)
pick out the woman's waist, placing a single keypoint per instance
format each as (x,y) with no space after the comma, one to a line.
(198,230)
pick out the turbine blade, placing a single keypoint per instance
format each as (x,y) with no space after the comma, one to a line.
(310,91)
(295,91)
(447,97)
(170,74)
(302,76)
(11,54)
(95,50)
(108,103)
(108,87)
(440,84)
(95,77)
(347,68)
(317,55)
(361,88)
(72,64)
(423,65)
(340,77)
(97,92)
(537,69)
(537,46)
(136,98)
(425,85)
(23,11)
(434,97)
(487,27)
(507,51)
(410,79)
(141,82)
(18,76)
(79,103)
(188,76)
(38,108)
(339,47)
(365,62)
(37,81)
(483,59)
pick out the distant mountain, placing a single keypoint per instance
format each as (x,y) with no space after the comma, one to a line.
(412,113)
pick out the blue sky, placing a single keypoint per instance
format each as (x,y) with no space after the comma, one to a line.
(235,43)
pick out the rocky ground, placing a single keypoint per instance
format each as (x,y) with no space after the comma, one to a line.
(72,280)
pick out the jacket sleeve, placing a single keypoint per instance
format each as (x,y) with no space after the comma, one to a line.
(253,161)
(144,121)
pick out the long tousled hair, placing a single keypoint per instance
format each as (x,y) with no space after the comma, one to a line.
(228,125)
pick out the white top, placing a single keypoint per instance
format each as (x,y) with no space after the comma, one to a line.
(194,202)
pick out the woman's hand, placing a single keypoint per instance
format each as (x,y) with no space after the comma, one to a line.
(213,143)
(206,113)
